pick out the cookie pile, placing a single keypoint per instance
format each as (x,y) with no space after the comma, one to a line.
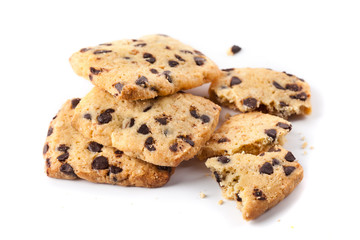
(136,125)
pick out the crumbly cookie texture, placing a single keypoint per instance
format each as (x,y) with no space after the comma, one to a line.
(164,131)
(69,155)
(154,65)
(254,89)
(259,182)
(252,133)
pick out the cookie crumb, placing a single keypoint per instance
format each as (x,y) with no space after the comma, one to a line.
(233,50)
(303,146)
(220,202)
(202,195)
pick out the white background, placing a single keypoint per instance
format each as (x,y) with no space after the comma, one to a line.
(315,40)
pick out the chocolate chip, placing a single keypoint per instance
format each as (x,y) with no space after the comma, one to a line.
(104,117)
(204,118)
(95,147)
(293,87)
(118,153)
(154,71)
(142,81)
(132,122)
(167,47)
(228,69)
(193,112)
(283,104)
(223,139)
(259,195)
(199,61)
(273,149)
(115,169)
(290,75)
(99,163)
(266,168)
(143,129)
(95,71)
(45,148)
(162,120)
(90,77)
(87,116)
(223,159)
(217,177)
(284,125)
(174,147)
(250,102)
(48,163)
(67,169)
(118,86)
(149,58)
(288,170)
(164,168)
(235,49)
(75,102)
(290,157)
(275,162)
(154,89)
(179,58)
(173,63)
(278,86)
(186,51)
(301,96)
(147,108)
(271,133)
(105,44)
(198,52)
(140,45)
(149,144)
(238,198)
(235,81)
(84,50)
(187,139)
(63,157)
(50,131)
(62,148)
(167,76)
(102,51)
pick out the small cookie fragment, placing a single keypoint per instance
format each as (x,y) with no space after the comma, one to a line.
(202,195)
(256,183)
(163,131)
(233,50)
(260,89)
(252,132)
(69,155)
(144,68)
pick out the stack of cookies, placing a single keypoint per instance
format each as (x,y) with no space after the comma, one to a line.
(136,125)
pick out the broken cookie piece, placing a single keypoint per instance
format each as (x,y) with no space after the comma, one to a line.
(260,89)
(256,183)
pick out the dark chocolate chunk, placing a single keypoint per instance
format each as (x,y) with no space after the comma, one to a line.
(186,51)
(204,118)
(167,76)
(283,104)
(48,163)
(143,129)
(267,168)
(75,102)
(235,81)
(235,49)
(45,148)
(193,112)
(95,71)
(198,52)
(273,149)
(115,169)
(259,195)
(90,77)
(275,162)
(102,51)
(290,157)
(238,198)
(142,81)
(104,117)
(228,69)
(87,116)
(223,139)
(62,148)
(293,87)
(174,147)
(149,144)
(50,131)
(149,58)
(173,63)
(140,45)
(179,58)
(63,156)
(278,86)
(290,75)
(284,125)
(118,86)
(301,96)
(132,122)
(95,147)
(217,177)
(162,120)
(250,102)
(105,44)
(118,153)
(271,133)
(187,139)
(288,170)
(99,163)
(67,169)
(223,159)
(154,71)
(84,50)
(199,61)
(147,108)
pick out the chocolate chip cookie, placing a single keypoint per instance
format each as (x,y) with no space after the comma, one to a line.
(259,182)
(154,65)
(69,155)
(164,131)
(254,89)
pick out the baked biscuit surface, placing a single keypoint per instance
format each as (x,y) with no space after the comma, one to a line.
(154,65)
